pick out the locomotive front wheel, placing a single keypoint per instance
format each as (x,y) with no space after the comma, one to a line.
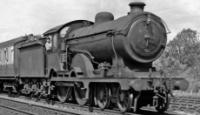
(161,108)
(62,93)
(80,94)
(162,105)
(103,97)
(124,100)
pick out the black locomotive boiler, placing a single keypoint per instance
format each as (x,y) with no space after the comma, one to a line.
(105,63)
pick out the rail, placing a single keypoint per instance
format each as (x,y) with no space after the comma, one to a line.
(28,106)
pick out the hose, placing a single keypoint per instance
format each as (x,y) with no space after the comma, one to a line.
(113,47)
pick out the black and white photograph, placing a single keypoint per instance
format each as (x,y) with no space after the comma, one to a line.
(100,57)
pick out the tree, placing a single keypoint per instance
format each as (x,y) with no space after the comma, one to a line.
(184,45)
(182,53)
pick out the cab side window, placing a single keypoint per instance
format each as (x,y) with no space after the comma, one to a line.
(64,31)
(52,42)
(55,41)
(49,43)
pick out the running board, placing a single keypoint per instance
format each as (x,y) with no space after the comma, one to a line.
(64,84)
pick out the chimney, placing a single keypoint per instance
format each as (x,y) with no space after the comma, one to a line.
(136,7)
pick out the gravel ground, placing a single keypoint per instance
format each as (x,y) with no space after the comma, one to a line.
(185,113)
(4,111)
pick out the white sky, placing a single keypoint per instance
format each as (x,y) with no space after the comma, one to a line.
(20,17)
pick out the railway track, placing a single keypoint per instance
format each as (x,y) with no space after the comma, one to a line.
(14,110)
(26,106)
(189,104)
(23,106)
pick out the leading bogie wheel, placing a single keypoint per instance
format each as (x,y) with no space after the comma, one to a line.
(162,105)
(62,93)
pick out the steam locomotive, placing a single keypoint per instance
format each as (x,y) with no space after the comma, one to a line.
(108,62)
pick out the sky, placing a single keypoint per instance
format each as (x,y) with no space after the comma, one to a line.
(21,17)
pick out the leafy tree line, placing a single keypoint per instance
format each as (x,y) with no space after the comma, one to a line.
(182,55)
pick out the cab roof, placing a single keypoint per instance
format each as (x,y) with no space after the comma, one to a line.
(58,28)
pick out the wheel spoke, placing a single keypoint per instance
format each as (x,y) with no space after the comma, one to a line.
(80,95)
(62,93)
(103,97)
(124,100)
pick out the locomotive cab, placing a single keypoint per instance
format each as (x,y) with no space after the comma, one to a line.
(56,45)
